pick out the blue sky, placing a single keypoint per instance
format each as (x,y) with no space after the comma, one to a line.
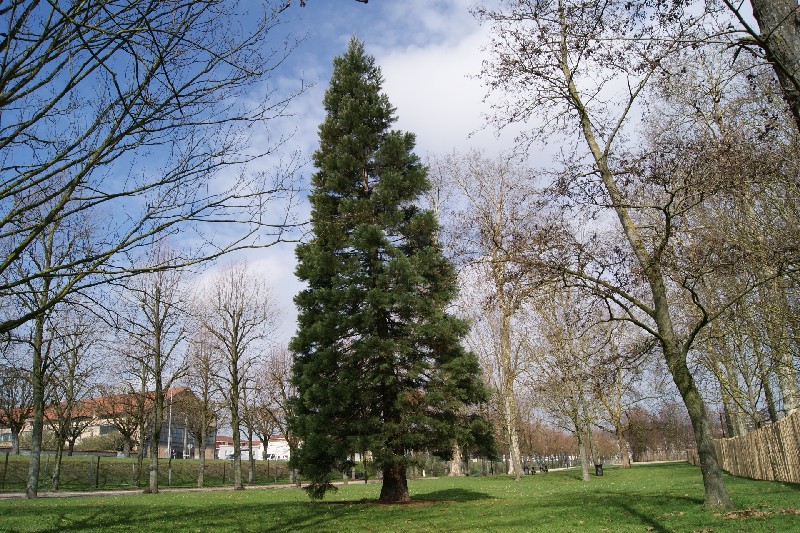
(429,52)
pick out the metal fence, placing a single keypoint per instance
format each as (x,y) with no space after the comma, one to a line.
(110,473)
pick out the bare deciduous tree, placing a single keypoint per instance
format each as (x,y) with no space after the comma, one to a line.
(202,369)
(563,362)
(239,314)
(125,407)
(278,390)
(131,113)
(154,321)
(16,401)
(778,39)
(498,216)
(71,382)
(581,67)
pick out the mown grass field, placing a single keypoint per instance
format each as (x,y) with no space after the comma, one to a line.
(656,498)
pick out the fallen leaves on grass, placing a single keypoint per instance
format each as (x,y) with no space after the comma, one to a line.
(746,513)
(753,513)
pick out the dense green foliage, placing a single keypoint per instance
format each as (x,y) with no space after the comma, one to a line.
(379,364)
(646,498)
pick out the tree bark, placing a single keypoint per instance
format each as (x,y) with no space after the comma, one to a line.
(780,38)
(201,450)
(395,484)
(715,493)
(457,462)
(152,486)
(32,488)
(769,396)
(14,442)
(237,443)
(158,415)
(510,414)
(734,415)
(251,461)
(777,327)
(625,458)
(140,456)
(57,466)
(584,456)
(38,383)
(510,408)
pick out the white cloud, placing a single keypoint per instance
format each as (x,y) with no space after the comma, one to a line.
(429,52)
(437,94)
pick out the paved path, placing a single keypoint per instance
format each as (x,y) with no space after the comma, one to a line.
(132,492)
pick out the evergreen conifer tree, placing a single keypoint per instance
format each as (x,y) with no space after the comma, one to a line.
(379,366)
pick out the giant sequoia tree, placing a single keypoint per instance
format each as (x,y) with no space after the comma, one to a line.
(379,365)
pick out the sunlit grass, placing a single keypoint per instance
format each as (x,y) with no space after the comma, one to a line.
(647,498)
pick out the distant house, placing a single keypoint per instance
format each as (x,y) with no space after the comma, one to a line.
(277,448)
(176,441)
(5,438)
(104,415)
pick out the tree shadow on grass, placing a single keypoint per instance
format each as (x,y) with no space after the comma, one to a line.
(638,507)
(453,495)
(161,517)
(651,521)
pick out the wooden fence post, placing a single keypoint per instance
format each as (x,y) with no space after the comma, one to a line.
(769,453)
(97,474)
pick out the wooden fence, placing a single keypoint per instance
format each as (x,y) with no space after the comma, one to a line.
(771,452)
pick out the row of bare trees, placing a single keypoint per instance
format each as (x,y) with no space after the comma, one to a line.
(127,125)
(665,222)
(216,338)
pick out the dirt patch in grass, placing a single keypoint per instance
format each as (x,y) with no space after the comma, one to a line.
(373,501)
(754,513)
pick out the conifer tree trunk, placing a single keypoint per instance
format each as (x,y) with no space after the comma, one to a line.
(395,485)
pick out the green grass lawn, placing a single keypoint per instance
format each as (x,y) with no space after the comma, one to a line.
(657,498)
